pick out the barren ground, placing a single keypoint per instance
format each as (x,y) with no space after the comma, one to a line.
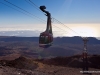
(44,69)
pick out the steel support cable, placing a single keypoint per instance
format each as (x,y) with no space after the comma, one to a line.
(55,19)
(24,10)
(20,11)
(33,4)
(16,9)
(66,26)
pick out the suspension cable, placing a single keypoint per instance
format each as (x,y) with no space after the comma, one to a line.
(34,5)
(23,10)
(54,18)
(16,9)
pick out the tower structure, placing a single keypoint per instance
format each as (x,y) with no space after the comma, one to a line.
(85,53)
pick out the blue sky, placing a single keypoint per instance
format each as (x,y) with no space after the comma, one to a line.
(73,13)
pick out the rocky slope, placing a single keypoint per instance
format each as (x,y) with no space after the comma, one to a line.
(27,66)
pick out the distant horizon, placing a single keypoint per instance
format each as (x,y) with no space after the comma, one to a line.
(83,30)
(98,38)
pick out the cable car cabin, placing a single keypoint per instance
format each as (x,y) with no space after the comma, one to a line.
(45,40)
(46,37)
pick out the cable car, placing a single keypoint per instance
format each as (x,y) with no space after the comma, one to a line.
(46,37)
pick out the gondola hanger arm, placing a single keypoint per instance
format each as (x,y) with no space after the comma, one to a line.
(42,8)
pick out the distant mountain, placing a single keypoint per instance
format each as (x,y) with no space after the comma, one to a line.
(13,38)
(57,40)
(75,40)
(62,46)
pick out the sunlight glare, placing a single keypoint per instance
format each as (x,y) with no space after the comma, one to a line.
(86,31)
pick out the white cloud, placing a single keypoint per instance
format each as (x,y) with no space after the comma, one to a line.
(58,30)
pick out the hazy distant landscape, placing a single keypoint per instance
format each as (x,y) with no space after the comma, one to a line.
(29,46)
(24,56)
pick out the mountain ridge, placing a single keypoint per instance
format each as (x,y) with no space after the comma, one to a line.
(57,40)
